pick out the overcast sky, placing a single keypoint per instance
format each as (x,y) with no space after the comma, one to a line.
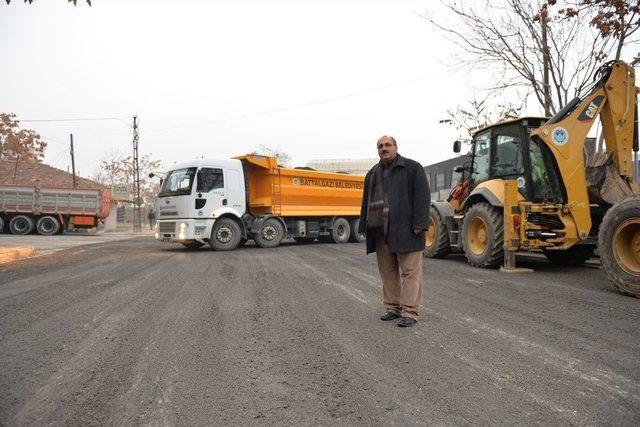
(318,79)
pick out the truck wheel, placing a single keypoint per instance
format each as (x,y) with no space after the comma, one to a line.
(619,245)
(436,243)
(355,236)
(341,231)
(575,255)
(21,224)
(270,234)
(483,236)
(194,244)
(48,225)
(1,225)
(225,235)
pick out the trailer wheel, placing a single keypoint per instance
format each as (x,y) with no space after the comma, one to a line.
(483,236)
(341,231)
(575,255)
(21,224)
(436,243)
(225,235)
(355,236)
(192,245)
(1,224)
(619,245)
(48,225)
(270,234)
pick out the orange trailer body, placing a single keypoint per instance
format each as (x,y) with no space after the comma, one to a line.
(298,192)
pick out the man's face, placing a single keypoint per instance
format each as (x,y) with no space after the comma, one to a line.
(387,150)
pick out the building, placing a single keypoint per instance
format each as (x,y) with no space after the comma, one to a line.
(353,166)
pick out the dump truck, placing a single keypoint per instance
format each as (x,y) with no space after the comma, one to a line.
(226,202)
(48,211)
(530,186)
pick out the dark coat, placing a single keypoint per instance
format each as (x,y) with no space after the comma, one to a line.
(409,199)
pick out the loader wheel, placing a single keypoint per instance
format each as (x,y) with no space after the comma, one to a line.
(355,236)
(270,234)
(483,236)
(225,235)
(619,245)
(575,255)
(192,245)
(21,224)
(48,225)
(437,237)
(341,231)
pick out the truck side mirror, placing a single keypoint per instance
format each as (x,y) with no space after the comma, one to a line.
(457,146)
(151,174)
(459,169)
(199,182)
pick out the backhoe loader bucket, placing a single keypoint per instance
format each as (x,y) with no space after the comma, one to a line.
(604,183)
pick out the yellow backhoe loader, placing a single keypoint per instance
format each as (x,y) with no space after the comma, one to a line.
(531,185)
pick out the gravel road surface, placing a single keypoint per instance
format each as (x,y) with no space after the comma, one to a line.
(139,332)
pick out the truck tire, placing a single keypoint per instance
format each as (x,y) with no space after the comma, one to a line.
(1,224)
(618,241)
(192,245)
(21,224)
(225,235)
(436,243)
(48,225)
(270,234)
(483,236)
(575,255)
(355,236)
(341,231)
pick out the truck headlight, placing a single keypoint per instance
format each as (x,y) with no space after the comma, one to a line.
(157,235)
(182,226)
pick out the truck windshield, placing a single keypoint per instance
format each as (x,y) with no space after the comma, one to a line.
(178,182)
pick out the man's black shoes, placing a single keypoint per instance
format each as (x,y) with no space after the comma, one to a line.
(406,322)
(389,316)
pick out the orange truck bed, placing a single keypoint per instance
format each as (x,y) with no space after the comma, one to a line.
(299,192)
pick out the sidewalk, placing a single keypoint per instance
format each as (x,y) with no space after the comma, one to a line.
(14,247)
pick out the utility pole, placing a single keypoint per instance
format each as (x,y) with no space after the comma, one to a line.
(73,161)
(137,217)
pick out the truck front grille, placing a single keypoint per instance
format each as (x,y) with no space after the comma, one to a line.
(167,227)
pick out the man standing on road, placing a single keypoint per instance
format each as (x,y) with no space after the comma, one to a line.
(394,216)
(152,218)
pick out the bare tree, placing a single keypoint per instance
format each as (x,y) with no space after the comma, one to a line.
(117,169)
(282,157)
(477,114)
(525,46)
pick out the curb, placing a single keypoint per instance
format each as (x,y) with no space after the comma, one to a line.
(14,253)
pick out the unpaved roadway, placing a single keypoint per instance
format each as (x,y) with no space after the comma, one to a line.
(137,332)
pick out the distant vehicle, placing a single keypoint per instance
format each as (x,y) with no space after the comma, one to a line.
(227,202)
(51,210)
(443,176)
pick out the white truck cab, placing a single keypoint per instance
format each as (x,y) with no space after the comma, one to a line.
(194,194)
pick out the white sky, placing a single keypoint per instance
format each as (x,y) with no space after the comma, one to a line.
(175,63)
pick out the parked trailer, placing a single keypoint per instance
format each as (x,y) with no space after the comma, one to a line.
(226,202)
(51,210)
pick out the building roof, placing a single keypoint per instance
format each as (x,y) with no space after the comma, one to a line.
(29,172)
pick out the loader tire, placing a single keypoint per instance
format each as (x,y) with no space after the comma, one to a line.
(225,235)
(437,237)
(21,224)
(483,236)
(575,255)
(619,245)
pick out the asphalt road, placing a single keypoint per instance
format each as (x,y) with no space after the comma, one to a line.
(137,332)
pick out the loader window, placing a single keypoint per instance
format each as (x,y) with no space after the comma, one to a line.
(545,182)
(507,159)
(480,171)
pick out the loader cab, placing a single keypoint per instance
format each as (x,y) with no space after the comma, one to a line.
(505,151)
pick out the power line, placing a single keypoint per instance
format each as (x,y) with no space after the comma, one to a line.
(291,107)
(77,120)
